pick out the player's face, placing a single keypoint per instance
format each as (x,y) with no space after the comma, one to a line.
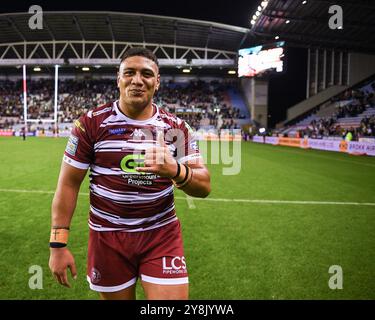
(138,79)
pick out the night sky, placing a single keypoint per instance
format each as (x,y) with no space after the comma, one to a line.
(231,12)
(284,90)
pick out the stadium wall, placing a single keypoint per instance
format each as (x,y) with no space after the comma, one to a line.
(256,98)
(364,147)
(312,102)
(362,66)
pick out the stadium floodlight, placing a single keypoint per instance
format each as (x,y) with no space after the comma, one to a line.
(172,62)
(304,1)
(252,22)
(213,62)
(116,62)
(259,8)
(287,21)
(93,62)
(28,62)
(264,4)
(254,17)
(257,13)
(231,71)
(277,37)
(186,70)
(262,130)
(85,69)
(37,69)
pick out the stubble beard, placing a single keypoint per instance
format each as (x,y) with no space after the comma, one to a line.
(135,104)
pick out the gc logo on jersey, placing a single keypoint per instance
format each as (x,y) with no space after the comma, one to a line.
(132,161)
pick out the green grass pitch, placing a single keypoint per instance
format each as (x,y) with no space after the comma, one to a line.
(235,249)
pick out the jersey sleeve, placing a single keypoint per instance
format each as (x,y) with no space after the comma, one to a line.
(187,147)
(79,150)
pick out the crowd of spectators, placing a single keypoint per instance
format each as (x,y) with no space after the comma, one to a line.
(320,127)
(328,127)
(200,100)
(367,126)
(196,102)
(351,103)
(349,110)
(10,99)
(361,96)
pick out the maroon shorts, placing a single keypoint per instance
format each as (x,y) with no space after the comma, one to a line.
(116,259)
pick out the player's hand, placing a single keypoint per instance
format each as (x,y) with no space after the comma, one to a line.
(159,160)
(59,261)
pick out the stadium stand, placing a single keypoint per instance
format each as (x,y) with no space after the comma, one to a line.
(207,105)
(352,110)
(335,64)
(207,48)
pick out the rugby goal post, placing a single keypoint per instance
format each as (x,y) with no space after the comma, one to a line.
(25,114)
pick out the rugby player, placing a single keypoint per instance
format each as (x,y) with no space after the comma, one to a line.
(137,153)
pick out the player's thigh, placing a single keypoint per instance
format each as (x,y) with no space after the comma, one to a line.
(124,294)
(155,291)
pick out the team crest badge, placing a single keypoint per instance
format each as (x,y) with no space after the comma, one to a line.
(95,275)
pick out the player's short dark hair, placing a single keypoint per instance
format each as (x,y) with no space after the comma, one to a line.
(139,51)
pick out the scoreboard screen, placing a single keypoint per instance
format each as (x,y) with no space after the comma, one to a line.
(260,59)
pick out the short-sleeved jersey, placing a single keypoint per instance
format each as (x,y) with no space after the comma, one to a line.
(112,145)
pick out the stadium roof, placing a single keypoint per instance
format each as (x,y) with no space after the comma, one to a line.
(129,27)
(308,24)
(76,38)
(105,35)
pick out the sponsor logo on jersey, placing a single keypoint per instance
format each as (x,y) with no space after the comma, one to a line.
(96,113)
(72,145)
(132,161)
(174,265)
(138,133)
(117,131)
(79,125)
(140,180)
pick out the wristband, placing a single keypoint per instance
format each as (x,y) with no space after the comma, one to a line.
(178,171)
(186,175)
(59,237)
(187,180)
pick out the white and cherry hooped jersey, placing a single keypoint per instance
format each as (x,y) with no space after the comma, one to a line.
(112,145)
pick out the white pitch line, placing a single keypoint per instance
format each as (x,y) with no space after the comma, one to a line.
(190,202)
(36,191)
(283,201)
(264,201)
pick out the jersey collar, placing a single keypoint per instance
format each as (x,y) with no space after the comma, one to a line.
(130,120)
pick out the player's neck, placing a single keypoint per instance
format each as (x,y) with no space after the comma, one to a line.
(136,112)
